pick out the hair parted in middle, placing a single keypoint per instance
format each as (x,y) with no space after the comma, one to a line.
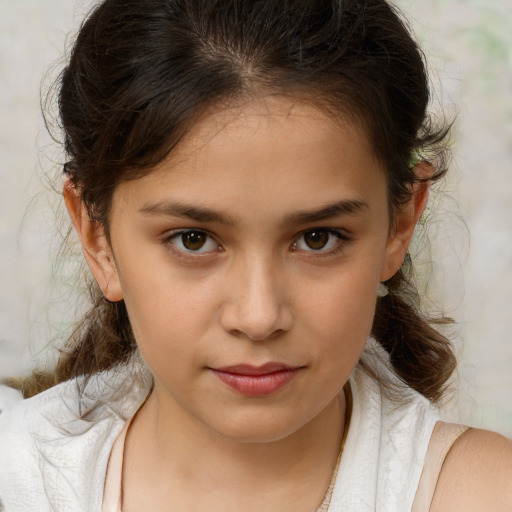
(142,73)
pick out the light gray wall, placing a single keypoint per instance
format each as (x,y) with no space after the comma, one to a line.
(468,44)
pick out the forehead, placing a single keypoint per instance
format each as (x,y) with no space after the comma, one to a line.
(280,151)
(275,121)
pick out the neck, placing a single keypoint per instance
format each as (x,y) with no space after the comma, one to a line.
(166,444)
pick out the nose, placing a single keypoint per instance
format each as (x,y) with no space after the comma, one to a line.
(256,306)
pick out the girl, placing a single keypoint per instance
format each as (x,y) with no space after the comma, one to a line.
(245,180)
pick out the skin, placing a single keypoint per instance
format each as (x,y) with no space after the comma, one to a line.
(476,475)
(255,292)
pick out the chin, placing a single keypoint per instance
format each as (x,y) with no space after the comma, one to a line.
(257,429)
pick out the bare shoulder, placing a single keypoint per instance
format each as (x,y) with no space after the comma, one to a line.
(476,475)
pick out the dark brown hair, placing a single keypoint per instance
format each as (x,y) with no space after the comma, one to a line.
(141,73)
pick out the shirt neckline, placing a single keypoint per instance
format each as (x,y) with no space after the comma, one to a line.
(112,494)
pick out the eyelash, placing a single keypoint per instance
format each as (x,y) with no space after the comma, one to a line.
(341,240)
(184,252)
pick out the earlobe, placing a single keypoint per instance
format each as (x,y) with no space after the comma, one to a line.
(95,246)
(406,219)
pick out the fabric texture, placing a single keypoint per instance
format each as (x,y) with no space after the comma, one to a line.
(53,458)
(387,441)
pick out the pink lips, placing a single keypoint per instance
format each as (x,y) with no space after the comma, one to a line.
(256,380)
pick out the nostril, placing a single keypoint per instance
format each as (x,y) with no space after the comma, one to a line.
(256,327)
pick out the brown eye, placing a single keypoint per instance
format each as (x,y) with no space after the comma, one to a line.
(194,240)
(323,241)
(316,240)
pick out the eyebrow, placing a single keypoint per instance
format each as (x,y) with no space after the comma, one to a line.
(199,214)
(202,214)
(337,209)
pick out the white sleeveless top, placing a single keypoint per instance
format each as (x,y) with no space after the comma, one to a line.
(51,460)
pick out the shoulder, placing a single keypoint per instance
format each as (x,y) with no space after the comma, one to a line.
(50,454)
(26,424)
(390,431)
(8,397)
(56,404)
(17,414)
(476,474)
(21,421)
(70,409)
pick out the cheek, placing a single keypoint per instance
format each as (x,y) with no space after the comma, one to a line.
(153,291)
(168,314)
(162,320)
(167,341)
(341,312)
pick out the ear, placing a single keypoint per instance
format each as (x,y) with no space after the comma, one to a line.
(94,244)
(406,219)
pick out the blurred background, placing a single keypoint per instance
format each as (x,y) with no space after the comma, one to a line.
(465,247)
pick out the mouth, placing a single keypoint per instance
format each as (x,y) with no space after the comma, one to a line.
(256,381)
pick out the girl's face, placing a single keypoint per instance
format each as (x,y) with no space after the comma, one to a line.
(249,262)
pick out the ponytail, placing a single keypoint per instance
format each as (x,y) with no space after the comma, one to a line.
(420,355)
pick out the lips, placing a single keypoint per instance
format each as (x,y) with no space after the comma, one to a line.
(256,380)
